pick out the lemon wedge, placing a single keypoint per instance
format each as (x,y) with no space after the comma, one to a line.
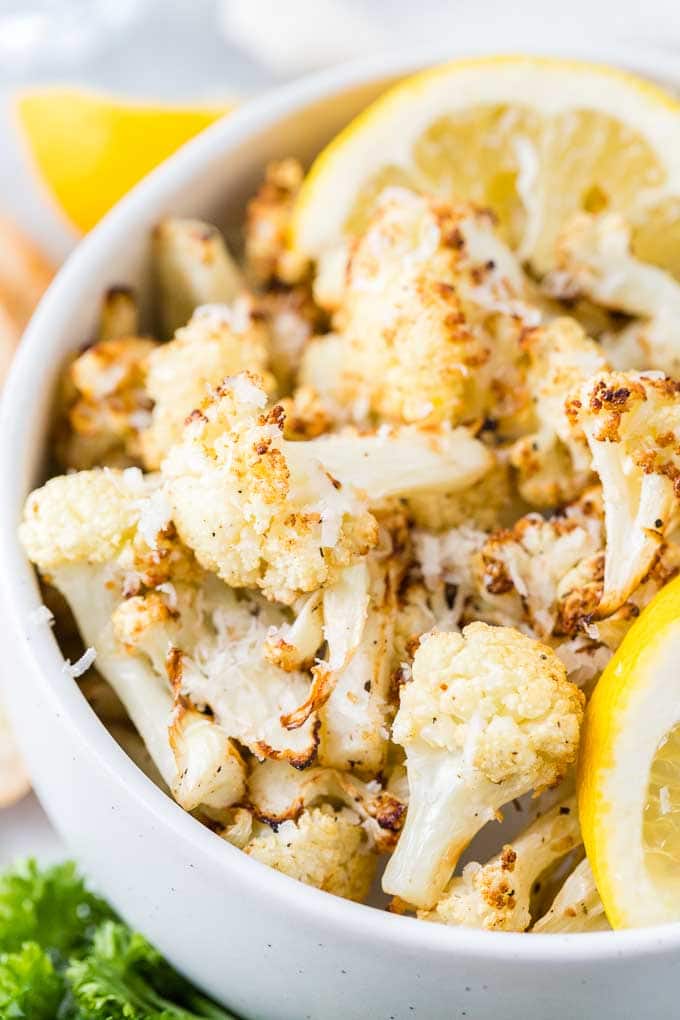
(90,149)
(629,771)
(536,139)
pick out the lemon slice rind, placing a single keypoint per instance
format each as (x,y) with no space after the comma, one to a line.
(635,706)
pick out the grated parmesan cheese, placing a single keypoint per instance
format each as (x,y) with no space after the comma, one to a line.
(245,391)
(154,517)
(81,665)
(41,615)
(168,589)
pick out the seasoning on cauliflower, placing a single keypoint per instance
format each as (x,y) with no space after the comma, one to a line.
(105,404)
(432,314)
(552,463)
(218,341)
(193,267)
(488,716)
(577,906)
(595,259)
(268,254)
(103,538)
(632,424)
(257,510)
(497,895)
(279,793)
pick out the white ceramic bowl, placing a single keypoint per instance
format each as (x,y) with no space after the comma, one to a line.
(256,940)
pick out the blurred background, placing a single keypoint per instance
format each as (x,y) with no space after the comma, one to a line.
(221,52)
(217,50)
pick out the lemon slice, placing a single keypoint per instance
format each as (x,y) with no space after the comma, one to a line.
(91,149)
(629,771)
(536,139)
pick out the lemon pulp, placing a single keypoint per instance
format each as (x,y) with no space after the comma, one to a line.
(661,821)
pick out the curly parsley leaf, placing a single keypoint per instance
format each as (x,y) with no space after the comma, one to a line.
(30,987)
(50,906)
(65,956)
(123,977)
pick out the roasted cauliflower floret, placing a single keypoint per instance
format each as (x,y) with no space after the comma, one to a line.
(218,341)
(486,504)
(119,314)
(292,319)
(307,415)
(432,314)
(543,575)
(105,404)
(268,255)
(321,370)
(595,260)
(497,895)
(293,645)
(421,609)
(488,716)
(324,847)
(258,511)
(534,574)
(632,424)
(209,769)
(611,630)
(278,793)
(357,709)
(193,267)
(577,906)
(287,516)
(552,463)
(103,538)
(209,648)
(584,659)
(404,460)
(83,517)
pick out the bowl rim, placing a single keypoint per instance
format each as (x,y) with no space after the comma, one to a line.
(21,595)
